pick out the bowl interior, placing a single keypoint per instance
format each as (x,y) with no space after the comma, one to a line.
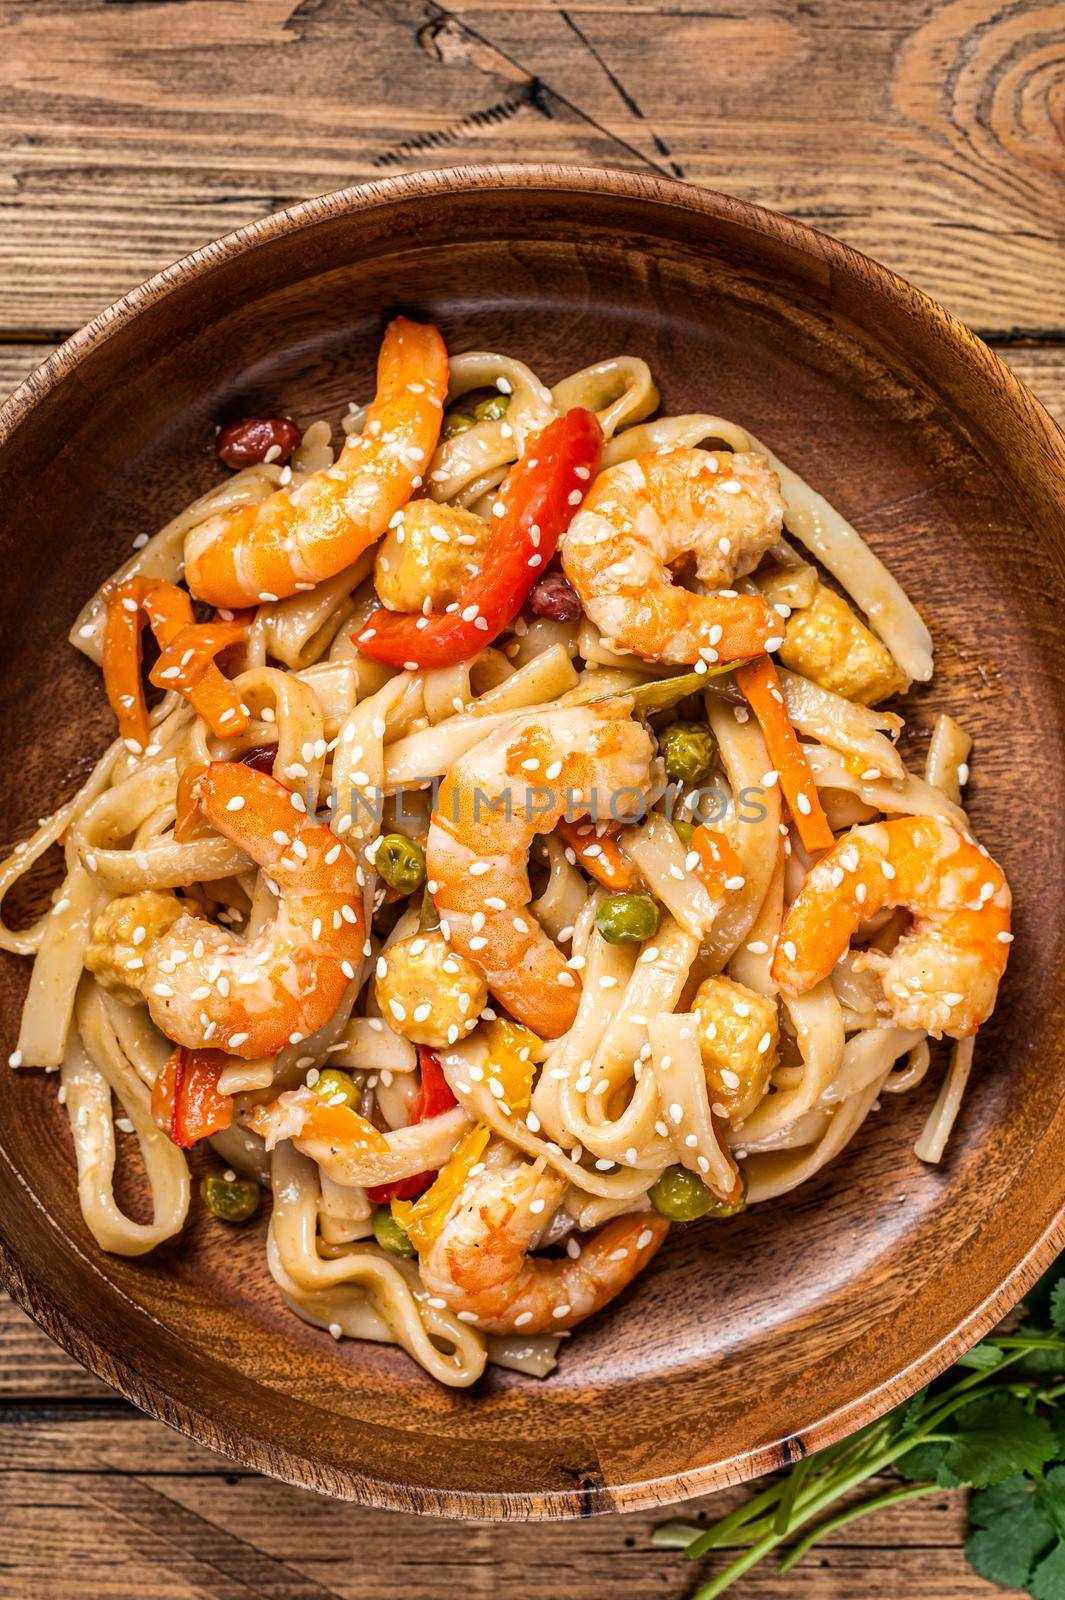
(810,1314)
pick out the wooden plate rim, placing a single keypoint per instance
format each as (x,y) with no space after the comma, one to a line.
(255,1451)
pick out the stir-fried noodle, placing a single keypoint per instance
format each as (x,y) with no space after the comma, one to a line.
(494,906)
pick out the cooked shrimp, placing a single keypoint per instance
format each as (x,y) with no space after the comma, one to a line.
(642,516)
(292,541)
(521,781)
(480,1264)
(944,972)
(206,987)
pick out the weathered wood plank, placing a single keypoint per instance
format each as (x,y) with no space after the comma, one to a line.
(1041,368)
(133,133)
(169,1526)
(922,133)
(81,1473)
(33,1367)
(17,361)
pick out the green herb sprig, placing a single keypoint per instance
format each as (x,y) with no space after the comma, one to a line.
(994,1423)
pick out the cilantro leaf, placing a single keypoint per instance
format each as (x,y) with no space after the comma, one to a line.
(926,1463)
(907,1415)
(996,1438)
(1012,1494)
(1048,1363)
(1013,1531)
(983,1357)
(1050,1493)
(1005,1552)
(1048,1580)
(1057,1305)
(1057,1423)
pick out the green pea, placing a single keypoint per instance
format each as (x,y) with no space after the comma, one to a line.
(683,830)
(389,1234)
(682,1196)
(492,409)
(726,1208)
(689,751)
(457,422)
(627,918)
(331,1082)
(401,863)
(230,1199)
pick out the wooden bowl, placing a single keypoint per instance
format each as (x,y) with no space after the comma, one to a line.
(743,1345)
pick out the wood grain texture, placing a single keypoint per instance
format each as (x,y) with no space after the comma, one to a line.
(1041,369)
(133,132)
(97,1498)
(926,133)
(935,451)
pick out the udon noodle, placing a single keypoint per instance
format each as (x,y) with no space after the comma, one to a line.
(472,1144)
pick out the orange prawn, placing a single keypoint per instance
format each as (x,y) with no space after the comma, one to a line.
(295,539)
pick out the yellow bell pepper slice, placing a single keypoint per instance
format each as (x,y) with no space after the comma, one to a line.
(511,1052)
(423,1219)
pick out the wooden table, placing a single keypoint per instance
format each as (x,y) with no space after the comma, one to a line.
(135,130)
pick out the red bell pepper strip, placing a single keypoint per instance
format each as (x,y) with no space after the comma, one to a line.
(760,684)
(533,508)
(186,1103)
(432,1100)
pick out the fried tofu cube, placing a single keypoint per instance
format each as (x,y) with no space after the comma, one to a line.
(739,1040)
(829,644)
(121,935)
(432,552)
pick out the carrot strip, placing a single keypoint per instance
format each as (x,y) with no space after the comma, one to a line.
(122,665)
(188,806)
(761,686)
(191,650)
(187,665)
(599,854)
(718,863)
(168,610)
(337,1125)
